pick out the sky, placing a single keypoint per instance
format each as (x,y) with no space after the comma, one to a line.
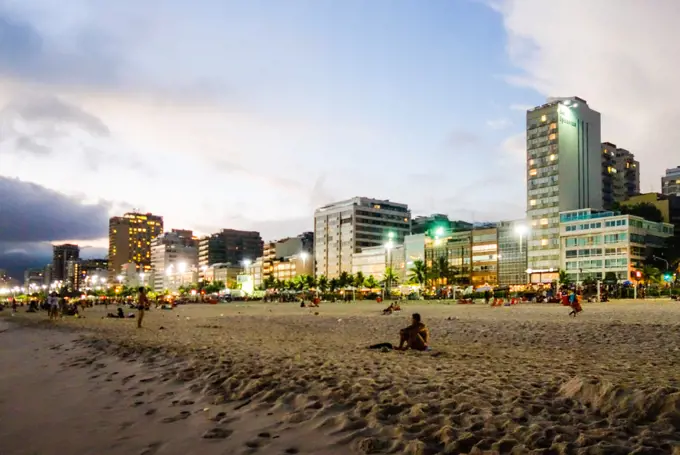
(249,114)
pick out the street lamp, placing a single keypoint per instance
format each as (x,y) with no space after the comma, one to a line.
(304,257)
(388,282)
(142,275)
(521,230)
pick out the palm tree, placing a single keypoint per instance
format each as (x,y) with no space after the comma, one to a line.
(371,282)
(344,280)
(651,274)
(390,277)
(269,282)
(323,283)
(419,272)
(564,279)
(309,281)
(441,270)
(359,280)
(334,284)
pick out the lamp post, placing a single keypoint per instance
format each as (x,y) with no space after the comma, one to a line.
(388,279)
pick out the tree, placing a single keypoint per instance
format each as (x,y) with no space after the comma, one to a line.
(610,278)
(323,283)
(564,279)
(371,282)
(645,210)
(651,274)
(269,282)
(419,272)
(344,280)
(334,284)
(390,277)
(441,270)
(309,282)
(359,280)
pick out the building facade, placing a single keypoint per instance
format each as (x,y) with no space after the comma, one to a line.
(512,253)
(61,255)
(564,172)
(87,273)
(173,254)
(620,175)
(371,261)
(229,246)
(33,278)
(485,256)
(596,243)
(670,183)
(456,249)
(343,228)
(130,238)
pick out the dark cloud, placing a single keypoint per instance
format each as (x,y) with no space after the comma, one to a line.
(25,53)
(53,111)
(32,213)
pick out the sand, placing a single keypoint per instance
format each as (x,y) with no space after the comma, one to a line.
(276,379)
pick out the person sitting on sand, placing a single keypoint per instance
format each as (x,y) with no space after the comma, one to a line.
(416,336)
(389,309)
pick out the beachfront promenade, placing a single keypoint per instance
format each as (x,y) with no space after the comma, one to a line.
(518,379)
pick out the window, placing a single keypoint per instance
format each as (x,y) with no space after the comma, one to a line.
(532,202)
(533,172)
(531,162)
(544,118)
(552,137)
(553,157)
(544,242)
(553,126)
(544,221)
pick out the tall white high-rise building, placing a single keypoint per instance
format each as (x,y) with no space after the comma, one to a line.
(344,228)
(172,254)
(564,172)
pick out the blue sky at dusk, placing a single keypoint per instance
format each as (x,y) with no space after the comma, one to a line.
(249,114)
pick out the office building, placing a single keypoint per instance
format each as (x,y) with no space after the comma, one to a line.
(344,228)
(596,243)
(456,249)
(172,255)
(33,278)
(87,273)
(620,175)
(130,238)
(61,255)
(229,246)
(564,172)
(670,183)
(512,253)
(485,256)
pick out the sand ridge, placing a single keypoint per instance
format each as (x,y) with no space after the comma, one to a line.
(500,380)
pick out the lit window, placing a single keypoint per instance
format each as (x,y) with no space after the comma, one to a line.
(532,202)
(544,221)
(544,242)
(552,137)
(534,223)
(533,172)
(531,162)
(553,126)
(553,157)
(627,165)
(544,118)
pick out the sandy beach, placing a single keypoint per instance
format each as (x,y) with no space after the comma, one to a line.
(276,379)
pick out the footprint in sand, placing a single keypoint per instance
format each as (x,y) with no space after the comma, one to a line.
(181,416)
(127,379)
(151,449)
(137,403)
(292,450)
(138,394)
(150,412)
(217,433)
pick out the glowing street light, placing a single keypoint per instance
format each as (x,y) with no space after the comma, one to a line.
(521,230)
(304,255)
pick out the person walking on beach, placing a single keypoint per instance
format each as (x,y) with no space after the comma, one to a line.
(53,306)
(142,303)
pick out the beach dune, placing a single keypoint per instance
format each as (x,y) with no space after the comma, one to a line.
(276,378)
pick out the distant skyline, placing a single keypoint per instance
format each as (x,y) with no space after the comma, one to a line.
(249,115)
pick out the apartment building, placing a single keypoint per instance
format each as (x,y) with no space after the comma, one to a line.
(229,246)
(670,183)
(343,228)
(620,175)
(595,243)
(564,172)
(173,254)
(130,238)
(512,253)
(60,257)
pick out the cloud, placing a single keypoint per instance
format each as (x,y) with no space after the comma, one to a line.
(622,57)
(498,124)
(462,138)
(32,213)
(515,147)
